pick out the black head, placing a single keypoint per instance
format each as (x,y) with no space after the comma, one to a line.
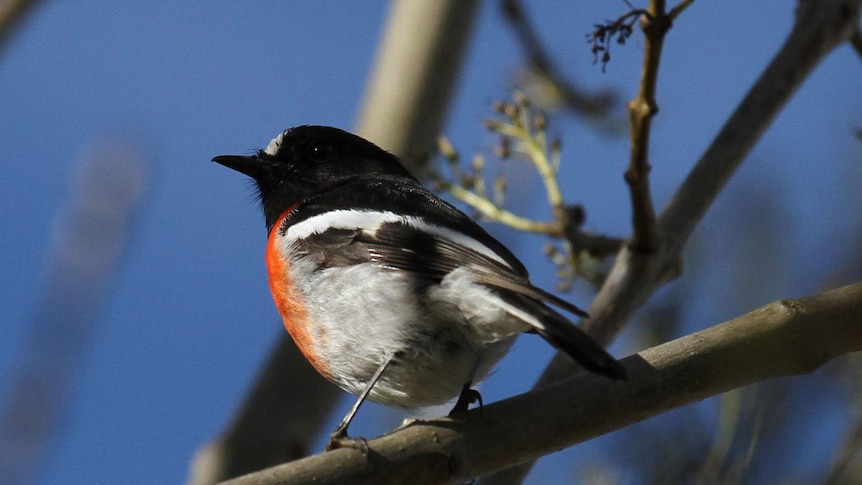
(306,160)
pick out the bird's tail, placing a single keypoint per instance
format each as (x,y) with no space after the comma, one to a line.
(564,335)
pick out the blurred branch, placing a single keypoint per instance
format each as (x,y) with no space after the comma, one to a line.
(282,414)
(597,245)
(846,465)
(418,62)
(787,337)
(820,26)
(89,237)
(414,77)
(591,105)
(856,42)
(12,14)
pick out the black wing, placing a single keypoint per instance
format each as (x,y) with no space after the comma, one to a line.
(405,197)
(436,257)
(431,258)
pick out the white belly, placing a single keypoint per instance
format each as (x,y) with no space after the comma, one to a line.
(366,314)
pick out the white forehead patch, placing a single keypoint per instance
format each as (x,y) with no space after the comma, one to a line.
(275,145)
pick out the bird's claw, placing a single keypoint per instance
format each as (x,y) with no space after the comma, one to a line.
(339,439)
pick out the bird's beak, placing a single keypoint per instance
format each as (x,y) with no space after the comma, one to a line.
(254,167)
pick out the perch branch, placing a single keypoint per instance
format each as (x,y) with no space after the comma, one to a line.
(784,338)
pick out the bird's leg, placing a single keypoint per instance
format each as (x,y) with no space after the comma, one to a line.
(467,397)
(339,438)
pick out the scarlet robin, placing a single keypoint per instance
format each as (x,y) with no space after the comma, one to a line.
(389,291)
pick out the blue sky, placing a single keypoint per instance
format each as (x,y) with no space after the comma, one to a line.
(189,320)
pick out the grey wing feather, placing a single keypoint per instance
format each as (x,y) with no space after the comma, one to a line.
(433,258)
(437,257)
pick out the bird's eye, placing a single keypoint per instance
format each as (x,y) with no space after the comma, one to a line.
(321,151)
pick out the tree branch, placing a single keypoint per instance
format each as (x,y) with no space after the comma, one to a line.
(820,27)
(89,238)
(12,14)
(642,109)
(634,277)
(492,212)
(788,337)
(414,76)
(276,424)
(856,41)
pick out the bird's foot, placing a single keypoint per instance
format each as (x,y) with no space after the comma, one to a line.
(339,439)
(467,397)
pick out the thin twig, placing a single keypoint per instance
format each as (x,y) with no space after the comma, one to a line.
(642,109)
(618,31)
(533,145)
(679,9)
(524,136)
(492,212)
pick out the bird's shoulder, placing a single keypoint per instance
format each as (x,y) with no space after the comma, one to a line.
(407,198)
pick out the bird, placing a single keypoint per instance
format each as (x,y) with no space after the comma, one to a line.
(390,292)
